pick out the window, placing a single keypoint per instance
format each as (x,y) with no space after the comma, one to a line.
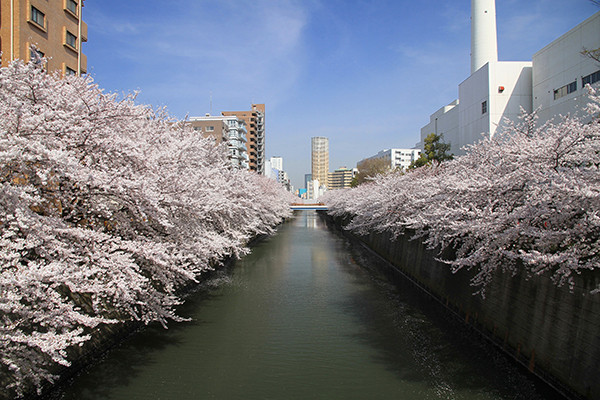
(72,6)
(37,16)
(590,79)
(565,90)
(484,107)
(69,71)
(71,40)
(210,129)
(36,56)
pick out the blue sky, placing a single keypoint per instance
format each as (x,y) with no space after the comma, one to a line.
(365,73)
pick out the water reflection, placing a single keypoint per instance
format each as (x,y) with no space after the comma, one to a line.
(306,315)
(308,219)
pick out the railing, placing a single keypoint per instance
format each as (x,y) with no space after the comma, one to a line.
(304,206)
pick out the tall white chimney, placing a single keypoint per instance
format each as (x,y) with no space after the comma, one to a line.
(484,42)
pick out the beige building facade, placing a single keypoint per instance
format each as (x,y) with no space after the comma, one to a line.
(211,127)
(255,138)
(54,27)
(341,178)
(229,130)
(320,160)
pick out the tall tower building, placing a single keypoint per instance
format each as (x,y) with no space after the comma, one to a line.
(255,140)
(54,27)
(484,41)
(320,159)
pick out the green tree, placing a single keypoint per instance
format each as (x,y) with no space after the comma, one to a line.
(369,168)
(434,148)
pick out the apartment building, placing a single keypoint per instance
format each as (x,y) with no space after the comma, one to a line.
(341,178)
(255,137)
(54,27)
(225,129)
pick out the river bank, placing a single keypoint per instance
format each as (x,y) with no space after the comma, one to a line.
(307,314)
(551,331)
(108,336)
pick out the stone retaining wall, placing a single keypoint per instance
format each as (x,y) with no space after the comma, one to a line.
(552,331)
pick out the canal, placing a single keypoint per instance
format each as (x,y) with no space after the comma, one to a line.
(307,315)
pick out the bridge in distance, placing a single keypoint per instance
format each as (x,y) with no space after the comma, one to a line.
(315,206)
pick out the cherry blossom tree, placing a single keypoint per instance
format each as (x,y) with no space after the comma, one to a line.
(108,209)
(527,198)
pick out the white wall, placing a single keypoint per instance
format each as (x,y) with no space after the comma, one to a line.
(472,123)
(515,77)
(484,85)
(444,122)
(561,63)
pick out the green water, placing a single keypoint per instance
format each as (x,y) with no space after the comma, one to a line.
(305,316)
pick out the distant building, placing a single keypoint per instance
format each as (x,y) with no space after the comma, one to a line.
(307,179)
(277,162)
(341,178)
(397,158)
(255,138)
(274,170)
(320,159)
(284,179)
(225,129)
(496,91)
(315,189)
(270,172)
(54,27)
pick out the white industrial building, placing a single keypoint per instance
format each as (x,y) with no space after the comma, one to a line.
(398,158)
(496,90)
(560,72)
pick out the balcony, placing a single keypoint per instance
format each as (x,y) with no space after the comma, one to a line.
(84,32)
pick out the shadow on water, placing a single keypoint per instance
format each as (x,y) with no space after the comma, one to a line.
(435,345)
(123,363)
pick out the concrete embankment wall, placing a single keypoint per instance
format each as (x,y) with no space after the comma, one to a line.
(553,331)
